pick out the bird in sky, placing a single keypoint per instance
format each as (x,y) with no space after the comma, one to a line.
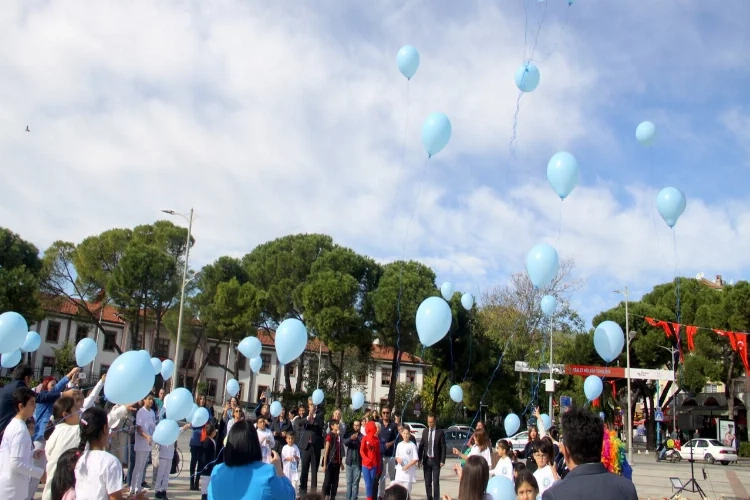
(27,129)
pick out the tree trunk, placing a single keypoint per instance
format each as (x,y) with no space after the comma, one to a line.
(339,372)
(203,364)
(728,386)
(440,381)
(300,371)
(394,377)
(287,377)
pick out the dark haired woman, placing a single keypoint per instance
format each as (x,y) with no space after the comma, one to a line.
(98,473)
(243,475)
(16,460)
(63,483)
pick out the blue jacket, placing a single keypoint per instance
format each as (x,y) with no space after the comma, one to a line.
(43,411)
(195,437)
(255,481)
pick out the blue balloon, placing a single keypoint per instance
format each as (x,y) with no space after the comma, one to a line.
(250,347)
(166,432)
(233,387)
(358,400)
(434,319)
(511,423)
(670,202)
(189,417)
(501,488)
(546,421)
(446,290)
(407,60)
(609,340)
(592,387)
(130,378)
(646,133)
(32,342)
(436,132)
(527,77)
(549,305)
(167,369)
(275,409)
(180,404)
(256,364)
(467,300)
(199,417)
(562,173)
(13,330)
(318,396)
(156,363)
(10,359)
(542,264)
(570,2)
(457,394)
(291,340)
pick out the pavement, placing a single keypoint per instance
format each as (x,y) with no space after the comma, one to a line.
(652,479)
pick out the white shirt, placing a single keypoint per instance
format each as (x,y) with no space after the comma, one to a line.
(146,420)
(16,461)
(98,475)
(486,454)
(503,468)
(62,439)
(407,452)
(265,437)
(431,451)
(544,478)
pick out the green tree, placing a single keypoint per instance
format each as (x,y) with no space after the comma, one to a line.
(20,269)
(65,358)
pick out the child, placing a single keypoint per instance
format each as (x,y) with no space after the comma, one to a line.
(16,449)
(98,474)
(63,483)
(545,473)
(371,462)
(290,459)
(265,437)
(526,486)
(164,466)
(208,459)
(64,435)
(504,465)
(332,462)
(518,468)
(145,422)
(406,460)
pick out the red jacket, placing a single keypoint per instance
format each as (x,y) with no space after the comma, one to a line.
(370,448)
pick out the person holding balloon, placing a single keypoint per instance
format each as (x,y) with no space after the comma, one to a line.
(265,438)
(165,454)
(145,424)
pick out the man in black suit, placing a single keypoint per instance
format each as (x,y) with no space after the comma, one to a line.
(583,436)
(310,444)
(432,457)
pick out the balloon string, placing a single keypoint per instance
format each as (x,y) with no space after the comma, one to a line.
(538,30)
(559,36)
(403,156)
(514,130)
(453,369)
(559,225)
(653,205)
(471,342)
(677,278)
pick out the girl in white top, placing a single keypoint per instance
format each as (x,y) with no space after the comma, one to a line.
(16,449)
(265,437)
(164,465)
(545,475)
(406,460)
(98,473)
(65,435)
(504,466)
(290,458)
(481,447)
(145,423)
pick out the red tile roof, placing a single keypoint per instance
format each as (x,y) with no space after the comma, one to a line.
(63,306)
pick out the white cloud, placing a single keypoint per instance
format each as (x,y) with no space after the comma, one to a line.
(272,120)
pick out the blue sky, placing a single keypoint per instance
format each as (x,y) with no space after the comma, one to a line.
(271,119)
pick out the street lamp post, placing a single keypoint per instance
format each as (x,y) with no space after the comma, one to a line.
(629,419)
(672,351)
(189,220)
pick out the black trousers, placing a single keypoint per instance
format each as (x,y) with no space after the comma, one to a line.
(196,453)
(331,480)
(432,479)
(310,459)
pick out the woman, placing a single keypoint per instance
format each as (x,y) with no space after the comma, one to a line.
(243,476)
(479,426)
(474,478)
(203,403)
(280,426)
(528,450)
(196,448)
(482,447)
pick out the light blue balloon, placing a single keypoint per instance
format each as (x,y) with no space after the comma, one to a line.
(156,363)
(562,173)
(546,421)
(527,77)
(457,394)
(670,202)
(542,264)
(467,300)
(32,342)
(233,387)
(167,369)
(180,404)
(434,318)
(130,378)
(86,351)
(291,340)
(275,409)
(358,400)
(193,409)
(609,340)
(436,132)
(166,432)
(549,305)
(200,417)
(592,387)
(10,359)
(570,2)
(511,423)
(250,347)
(501,488)
(13,330)
(407,60)
(318,396)
(446,290)
(256,364)
(646,133)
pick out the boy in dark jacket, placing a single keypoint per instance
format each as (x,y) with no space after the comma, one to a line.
(352,442)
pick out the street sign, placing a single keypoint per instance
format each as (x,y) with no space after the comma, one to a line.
(599,371)
(602,415)
(659,416)
(566,402)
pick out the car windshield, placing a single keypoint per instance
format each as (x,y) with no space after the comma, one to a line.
(714,442)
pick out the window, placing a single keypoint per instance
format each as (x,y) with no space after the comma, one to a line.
(211,385)
(292,369)
(362,378)
(48,365)
(110,340)
(82,332)
(241,362)
(385,377)
(161,350)
(187,361)
(53,332)
(411,376)
(241,394)
(103,369)
(262,389)
(266,367)
(214,355)
(711,388)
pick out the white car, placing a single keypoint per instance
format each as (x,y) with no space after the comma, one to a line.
(416,429)
(710,450)
(518,441)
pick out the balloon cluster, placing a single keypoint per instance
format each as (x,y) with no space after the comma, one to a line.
(15,339)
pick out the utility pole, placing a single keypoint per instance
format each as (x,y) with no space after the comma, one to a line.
(629,419)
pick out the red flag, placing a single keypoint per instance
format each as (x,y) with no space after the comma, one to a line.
(742,349)
(731,335)
(614,390)
(691,331)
